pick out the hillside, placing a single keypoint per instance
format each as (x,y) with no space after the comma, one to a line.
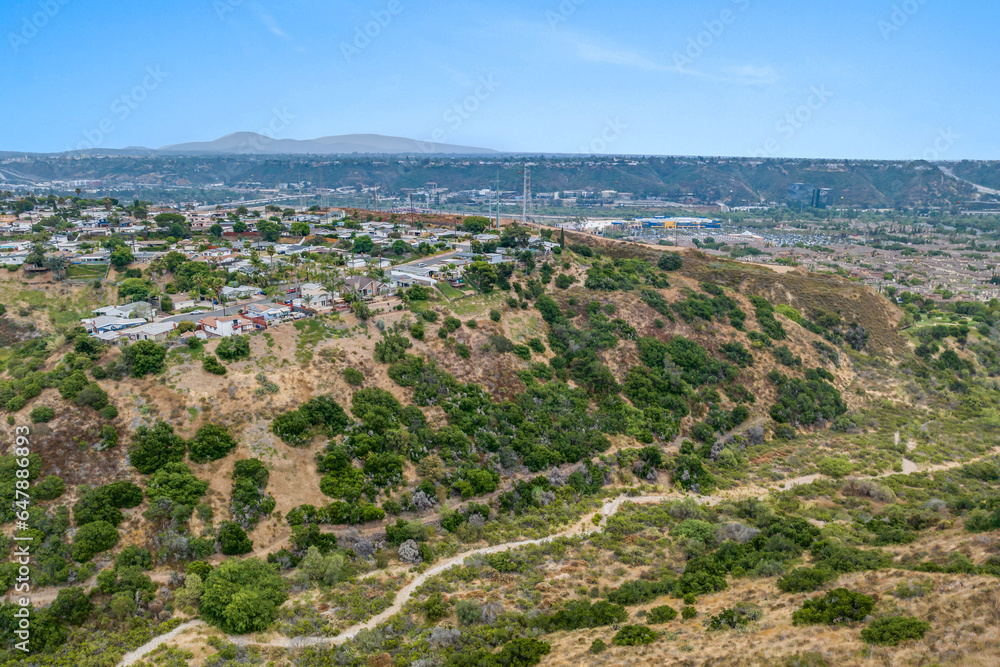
(701,180)
(714,463)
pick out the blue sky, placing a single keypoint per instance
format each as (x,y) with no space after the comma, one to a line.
(842,79)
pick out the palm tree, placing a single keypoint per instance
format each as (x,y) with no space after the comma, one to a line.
(270,253)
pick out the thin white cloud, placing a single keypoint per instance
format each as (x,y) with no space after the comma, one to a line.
(599,54)
(273,26)
(751,74)
(609,54)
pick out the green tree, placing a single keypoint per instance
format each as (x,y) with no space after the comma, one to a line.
(121,257)
(93,538)
(153,448)
(210,443)
(233,539)
(144,357)
(135,289)
(242,596)
(216,230)
(176,482)
(269,231)
(475,224)
(363,245)
(72,606)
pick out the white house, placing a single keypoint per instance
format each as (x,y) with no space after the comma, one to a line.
(103,324)
(268,313)
(126,311)
(223,327)
(155,331)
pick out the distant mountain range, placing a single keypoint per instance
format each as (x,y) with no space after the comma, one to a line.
(251,143)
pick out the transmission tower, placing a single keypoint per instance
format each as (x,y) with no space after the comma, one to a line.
(526,209)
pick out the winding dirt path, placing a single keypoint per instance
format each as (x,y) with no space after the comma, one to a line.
(584,527)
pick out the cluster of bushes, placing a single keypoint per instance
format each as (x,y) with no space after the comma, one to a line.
(319,415)
(808,401)
(894,630)
(734,618)
(69,377)
(634,635)
(211,364)
(250,501)
(839,606)
(704,307)
(104,503)
(765,318)
(623,275)
(579,614)
(337,513)
(233,348)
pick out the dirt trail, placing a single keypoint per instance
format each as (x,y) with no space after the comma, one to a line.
(584,527)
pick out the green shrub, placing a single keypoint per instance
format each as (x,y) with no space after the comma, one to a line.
(211,364)
(176,482)
(893,630)
(837,607)
(233,539)
(109,412)
(670,261)
(134,556)
(72,606)
(234,348)
(688,612)
(598,646)
(435,608)
(49,488)
(354,377)
(93,538)
(638,591)
(634,635)
(804,579)
(835,466)
(734,618)
(242,596)
(661,614)
(523,351)
(211,443)
(152,448)
(42,414)
(495,315)
(578,614)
